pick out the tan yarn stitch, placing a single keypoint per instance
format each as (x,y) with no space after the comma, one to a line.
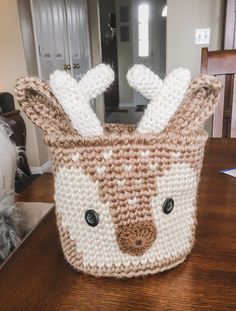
(76,260)
(122,213)
(40,105)
(128,172)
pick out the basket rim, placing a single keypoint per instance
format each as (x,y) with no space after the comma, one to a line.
(130,137)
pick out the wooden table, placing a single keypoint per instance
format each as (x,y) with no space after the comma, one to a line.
(38,278)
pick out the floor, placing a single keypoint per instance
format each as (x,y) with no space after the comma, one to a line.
(41,190)
(23,183)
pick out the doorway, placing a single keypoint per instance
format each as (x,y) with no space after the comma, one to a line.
(132,32)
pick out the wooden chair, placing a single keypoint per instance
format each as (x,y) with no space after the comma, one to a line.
(223,65)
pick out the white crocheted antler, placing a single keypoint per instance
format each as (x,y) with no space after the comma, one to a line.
(74,97)
(165,97)
(145,81)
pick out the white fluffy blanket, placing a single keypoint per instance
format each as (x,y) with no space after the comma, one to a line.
(8,158)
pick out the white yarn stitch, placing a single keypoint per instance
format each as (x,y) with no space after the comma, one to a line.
(99,244)
(74,97)
(107,154)
(145,81)
(165,97)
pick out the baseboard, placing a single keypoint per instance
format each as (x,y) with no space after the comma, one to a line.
(127,105)
(46,167)
(36,170)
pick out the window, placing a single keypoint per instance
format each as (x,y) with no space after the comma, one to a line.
(164,11)
(143,30)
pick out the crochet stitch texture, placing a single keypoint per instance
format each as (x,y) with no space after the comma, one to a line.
(125,195)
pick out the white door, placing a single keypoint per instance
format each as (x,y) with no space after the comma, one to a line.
(50,29)
(78,34)
(62,36)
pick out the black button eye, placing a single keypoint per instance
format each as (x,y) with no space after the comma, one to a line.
(91,218)
(168,206)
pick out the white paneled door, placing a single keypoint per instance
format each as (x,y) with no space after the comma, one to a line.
(61,36)
(78,35)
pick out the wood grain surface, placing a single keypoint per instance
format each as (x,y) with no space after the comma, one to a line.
(37,277)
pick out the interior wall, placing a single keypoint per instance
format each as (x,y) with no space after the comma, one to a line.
(158,37)
(31,64)
(28,36)
(125,56)
(96,52)
(13,66)
(183,18)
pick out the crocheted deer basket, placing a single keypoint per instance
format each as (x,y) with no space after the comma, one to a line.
(125,195)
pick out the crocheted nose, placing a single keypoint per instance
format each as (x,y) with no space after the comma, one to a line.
(137,238)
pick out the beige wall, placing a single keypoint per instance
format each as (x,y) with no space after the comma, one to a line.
(13,66)
(96,53)
(31,65)
(12,63)
(125,56)
(184,16)
(28,36)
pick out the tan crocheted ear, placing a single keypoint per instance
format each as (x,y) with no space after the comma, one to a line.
(40,105)
(198,105)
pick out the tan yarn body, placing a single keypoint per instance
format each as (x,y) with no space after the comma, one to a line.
(127,151)
(126,168)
